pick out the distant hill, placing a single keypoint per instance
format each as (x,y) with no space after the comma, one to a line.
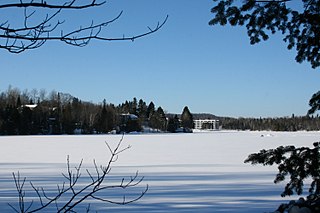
(202,116)
(196,116)
(293,123)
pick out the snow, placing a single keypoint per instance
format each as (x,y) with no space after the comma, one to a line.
(199,172)
(31,106)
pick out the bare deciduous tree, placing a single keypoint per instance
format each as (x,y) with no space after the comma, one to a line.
(34,30)
(73,192)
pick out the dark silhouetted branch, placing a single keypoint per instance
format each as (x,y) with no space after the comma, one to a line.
(33,34)
(74,193)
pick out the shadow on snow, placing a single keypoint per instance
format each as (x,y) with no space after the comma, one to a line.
(168,191)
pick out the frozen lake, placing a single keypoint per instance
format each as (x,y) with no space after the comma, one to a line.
(199,172)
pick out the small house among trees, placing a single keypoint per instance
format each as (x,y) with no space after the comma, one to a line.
(61,113)
(129,123)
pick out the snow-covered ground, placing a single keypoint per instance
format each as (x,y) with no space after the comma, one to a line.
(199,172)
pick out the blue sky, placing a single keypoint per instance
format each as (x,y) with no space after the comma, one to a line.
(187,63)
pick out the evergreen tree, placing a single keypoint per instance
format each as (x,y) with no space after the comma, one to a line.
(299,25)
(12,119)
(26,123)
(125,108)
(176,122)
(162,119)
(300,164)
(40,120)
(133,107)
(1,119)
(18,102)
(142,112)
(132,125)
(173,124)
(67,120)
(186,118)
(111,118)
(101,119)
(158,120)
(171,128)
(150,110)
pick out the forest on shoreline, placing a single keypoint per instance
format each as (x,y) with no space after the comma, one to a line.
(36,112)
(293,123)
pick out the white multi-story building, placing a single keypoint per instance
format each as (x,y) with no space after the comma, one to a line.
(206,124)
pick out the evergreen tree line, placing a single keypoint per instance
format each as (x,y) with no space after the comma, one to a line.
(293,123)
(36,112)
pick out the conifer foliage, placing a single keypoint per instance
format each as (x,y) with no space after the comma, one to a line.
(299,163)
(300,27)
(299,24)
(173,124)
(186,118)
(61,113)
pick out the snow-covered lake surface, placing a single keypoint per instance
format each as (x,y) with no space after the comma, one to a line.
(199,172)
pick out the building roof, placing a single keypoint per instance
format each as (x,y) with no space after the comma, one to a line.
(30,106)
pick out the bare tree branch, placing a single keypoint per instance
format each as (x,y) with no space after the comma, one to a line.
(33,34)
(77,193)
(44,4)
